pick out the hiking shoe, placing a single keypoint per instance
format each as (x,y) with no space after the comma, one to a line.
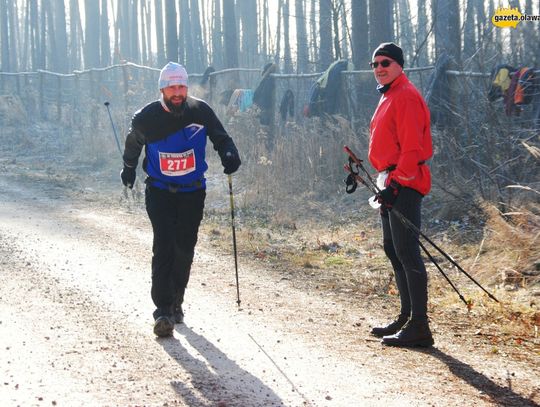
(414,333)
(390,329)
(178,314)
(163,326)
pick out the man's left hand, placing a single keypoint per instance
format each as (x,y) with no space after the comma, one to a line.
(388,195)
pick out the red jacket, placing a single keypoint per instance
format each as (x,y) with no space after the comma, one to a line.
(400,136)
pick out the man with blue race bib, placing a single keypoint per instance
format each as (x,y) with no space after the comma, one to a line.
(174,131)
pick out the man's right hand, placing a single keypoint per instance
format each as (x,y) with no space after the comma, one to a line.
(128,176)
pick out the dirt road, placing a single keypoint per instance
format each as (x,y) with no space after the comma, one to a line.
(76,326)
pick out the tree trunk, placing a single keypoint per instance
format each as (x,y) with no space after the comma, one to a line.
(171,39)
(380,23)
(14,35)
(147,15)
(50,35)
(61,35)
(264,29)
(75,33)
(325,34)
(277,53)
(247,10)
(123,31)
(4,30)
(421,43)
(313,32)
(301,38)
(230,34)
(197,41)
(144,25)
(91,34)
(135,54)
(360,44)
(185,44)
(335,23)
(160,42)
(105,43)
(469,42)
(287,59)
(406,36)
(42,56)
(447,30)
(217,37)
(345,33)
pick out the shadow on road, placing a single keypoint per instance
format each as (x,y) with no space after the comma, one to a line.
(502,396)
(214,378)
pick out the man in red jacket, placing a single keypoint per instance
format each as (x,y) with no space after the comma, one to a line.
(400,145)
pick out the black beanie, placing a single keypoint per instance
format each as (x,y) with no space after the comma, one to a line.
(389,49)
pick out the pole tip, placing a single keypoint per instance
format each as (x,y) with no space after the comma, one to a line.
(106,103)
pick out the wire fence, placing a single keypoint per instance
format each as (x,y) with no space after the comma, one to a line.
(479,148)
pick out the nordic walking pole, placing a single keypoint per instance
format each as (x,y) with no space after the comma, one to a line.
(114,129)
(234,240)
(411,226)
(117,142)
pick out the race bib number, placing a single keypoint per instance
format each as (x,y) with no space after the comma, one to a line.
(176,164)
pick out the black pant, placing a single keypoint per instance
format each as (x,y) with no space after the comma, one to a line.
(175,219)
(403,250)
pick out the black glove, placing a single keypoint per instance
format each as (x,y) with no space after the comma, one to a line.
(128,176)
(231,161)
(387,197)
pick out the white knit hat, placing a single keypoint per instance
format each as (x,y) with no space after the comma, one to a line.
(173,74)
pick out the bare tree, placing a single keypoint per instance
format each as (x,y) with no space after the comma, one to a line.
(447,30)
(42,56)
(135,53)
(230,34)
(185,42)
(335,24)
(469,37)
(122,32)
(217,37)
(380,22)
(200,55)
(4,35)
(287,59)
(91,34)
(422,33)
(277,54)
(145,32)
(301,37)
(247,10)
(313,33)
(264,28)
(171,38)
(75,35)
(14,35)
(360,43)
(161,60)
(61,56)
(325,34)
(345,33)
(104,40)
(404,30)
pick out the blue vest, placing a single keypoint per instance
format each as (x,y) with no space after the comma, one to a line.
(179,159)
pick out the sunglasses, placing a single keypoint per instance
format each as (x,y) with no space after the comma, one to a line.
(385,63)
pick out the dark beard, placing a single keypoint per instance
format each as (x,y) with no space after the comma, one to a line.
(177,110)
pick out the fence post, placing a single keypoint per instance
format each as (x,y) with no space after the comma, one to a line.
(42,108)
(125,76)
(59,100)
